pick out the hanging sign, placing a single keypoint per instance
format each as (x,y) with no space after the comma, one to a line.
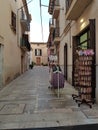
(53,58)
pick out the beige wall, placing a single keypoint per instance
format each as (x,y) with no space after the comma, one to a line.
(11,45)
(43,47)
(65,38)
(11,51)
(91,12)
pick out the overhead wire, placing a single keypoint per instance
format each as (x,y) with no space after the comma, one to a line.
(25,4)
(41,20)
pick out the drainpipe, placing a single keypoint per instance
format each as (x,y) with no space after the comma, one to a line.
(17,27)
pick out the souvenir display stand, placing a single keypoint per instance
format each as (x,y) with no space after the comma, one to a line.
(84,78)
(76,70)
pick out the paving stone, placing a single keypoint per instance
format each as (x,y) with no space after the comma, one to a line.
(12,109)
(27,102)
(1,106)
(91,113)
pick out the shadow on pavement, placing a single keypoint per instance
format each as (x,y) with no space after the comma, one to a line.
(76,127)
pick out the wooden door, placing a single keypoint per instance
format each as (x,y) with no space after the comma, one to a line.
(38,61)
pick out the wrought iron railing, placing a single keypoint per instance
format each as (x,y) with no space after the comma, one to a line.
(56,32)
(24,43)
(68,4)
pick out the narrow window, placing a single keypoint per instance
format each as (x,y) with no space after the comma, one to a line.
(13,21)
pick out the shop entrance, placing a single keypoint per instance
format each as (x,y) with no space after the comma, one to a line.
(85,40)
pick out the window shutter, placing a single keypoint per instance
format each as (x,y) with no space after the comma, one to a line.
(35,52)
(40,52)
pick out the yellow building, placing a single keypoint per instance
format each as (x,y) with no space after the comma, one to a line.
(39,53)
(14,42)
(74,25)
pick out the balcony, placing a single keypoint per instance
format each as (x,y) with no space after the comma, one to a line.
(24,22)
(56,9)
(52,50)
(56,36)
(51,25)
(24,43)
(67,26)
(74,8)
(51,6)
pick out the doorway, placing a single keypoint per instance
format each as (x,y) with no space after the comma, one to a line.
(38,61)
(85,40)
(65,61)
(1,65)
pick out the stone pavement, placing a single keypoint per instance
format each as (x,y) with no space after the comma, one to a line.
(28,103)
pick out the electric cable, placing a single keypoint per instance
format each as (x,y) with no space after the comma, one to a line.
(41,19)
(25,4)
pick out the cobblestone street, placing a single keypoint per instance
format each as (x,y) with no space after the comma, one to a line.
(28,103)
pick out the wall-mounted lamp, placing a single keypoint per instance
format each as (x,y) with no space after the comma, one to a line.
(82,20)
(83,25)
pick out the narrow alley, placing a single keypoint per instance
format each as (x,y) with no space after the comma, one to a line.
(28,103)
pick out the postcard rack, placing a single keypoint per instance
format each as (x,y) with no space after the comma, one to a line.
(84,78)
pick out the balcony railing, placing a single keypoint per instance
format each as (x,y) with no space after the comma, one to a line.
(24,22)
(24,43)
(51,6)
(74,8)
(56,32)
(56,9)
(56,36)
(51,24)
(68,4)
(56,3)
(67,26)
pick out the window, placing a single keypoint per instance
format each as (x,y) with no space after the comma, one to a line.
(84,40)
(38,52)
(13,21)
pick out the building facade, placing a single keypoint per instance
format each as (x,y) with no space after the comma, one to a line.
(39,53)
(14,40)
(77,22)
